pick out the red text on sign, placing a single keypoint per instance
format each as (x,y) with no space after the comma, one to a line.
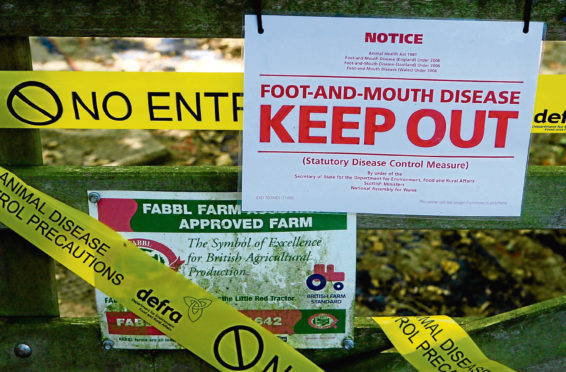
(393,38)
(380,120)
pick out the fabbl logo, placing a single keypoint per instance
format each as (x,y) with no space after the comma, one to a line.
(160,252)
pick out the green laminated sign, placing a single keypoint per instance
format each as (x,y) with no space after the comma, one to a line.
(291,272)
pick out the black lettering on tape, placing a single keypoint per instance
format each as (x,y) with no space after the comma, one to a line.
(179,100)
(273,365)
(216,95)
(17,92)
(77,99)
(151,107)
(232,338)
(126,101)
(235,107)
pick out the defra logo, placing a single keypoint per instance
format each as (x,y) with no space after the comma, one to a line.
(161,306)
(159,252)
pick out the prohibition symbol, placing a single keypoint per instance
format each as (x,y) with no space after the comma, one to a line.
(17,92)
(231,339)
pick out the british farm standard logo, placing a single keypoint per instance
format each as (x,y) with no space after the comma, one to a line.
(317,281)
(161,306)
(196,306)
(323,321)
(159,252)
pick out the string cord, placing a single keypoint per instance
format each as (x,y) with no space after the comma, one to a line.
(257,7)
(527,15)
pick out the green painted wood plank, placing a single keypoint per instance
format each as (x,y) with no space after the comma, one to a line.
(27,275)
(209,18)
(544,205)
(531,338)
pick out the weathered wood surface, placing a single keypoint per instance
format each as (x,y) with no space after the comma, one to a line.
(527,339)
(18,147)
(544,205)
(27,275)
(211,18)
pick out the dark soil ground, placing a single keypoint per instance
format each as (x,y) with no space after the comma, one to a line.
(453,272)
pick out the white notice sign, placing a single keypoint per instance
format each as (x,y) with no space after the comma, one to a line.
(416,117)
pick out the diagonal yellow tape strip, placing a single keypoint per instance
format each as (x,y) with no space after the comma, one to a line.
(436,343)
(214,331)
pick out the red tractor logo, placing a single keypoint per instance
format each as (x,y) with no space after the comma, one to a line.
(318,280)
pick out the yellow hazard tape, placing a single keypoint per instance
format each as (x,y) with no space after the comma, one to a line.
(194,318)
(550,105)
(121,100)
(166,100)
(436,343)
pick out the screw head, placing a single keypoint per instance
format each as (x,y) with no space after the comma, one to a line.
(94,197)
(348,343)
(22,350)
(108,344)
